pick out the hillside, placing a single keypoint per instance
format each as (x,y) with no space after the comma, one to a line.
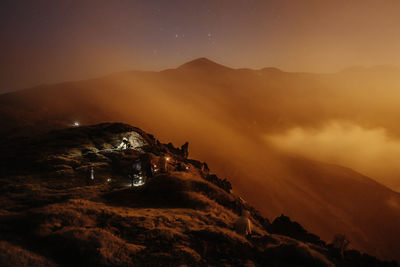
(53,214)
(225,115)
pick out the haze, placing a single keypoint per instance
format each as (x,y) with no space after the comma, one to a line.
(51,41)
(251,126)
(318,141)
(370,151)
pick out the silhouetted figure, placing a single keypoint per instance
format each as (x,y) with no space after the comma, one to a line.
(163,164)
(185,149)
(147,166)
(204,168)
(243,224)
(137,166)
(136,171)
(92,174)
(131,179)
(340,242)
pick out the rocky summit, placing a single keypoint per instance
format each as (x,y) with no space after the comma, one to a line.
(73,197)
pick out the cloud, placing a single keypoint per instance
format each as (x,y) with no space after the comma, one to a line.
(370,151)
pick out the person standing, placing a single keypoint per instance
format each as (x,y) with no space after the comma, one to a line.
(136,171)
(243,224)
(185,150)
(148,167)
(163,163)
(91,174)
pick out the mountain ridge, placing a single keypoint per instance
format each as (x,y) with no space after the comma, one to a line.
(204,63)
(107,223)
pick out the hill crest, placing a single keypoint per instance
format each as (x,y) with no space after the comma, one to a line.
(185,213)
(204,64)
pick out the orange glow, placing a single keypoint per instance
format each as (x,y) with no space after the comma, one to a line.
(301,112)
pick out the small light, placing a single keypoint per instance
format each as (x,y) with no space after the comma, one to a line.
(109,180)
(76,124)
(187,168)
(167,158)
(155,166)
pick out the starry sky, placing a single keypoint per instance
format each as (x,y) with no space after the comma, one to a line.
(46,41)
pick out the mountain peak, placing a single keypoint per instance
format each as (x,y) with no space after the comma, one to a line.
(203,63)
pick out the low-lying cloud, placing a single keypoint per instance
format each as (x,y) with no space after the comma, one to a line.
(370,151)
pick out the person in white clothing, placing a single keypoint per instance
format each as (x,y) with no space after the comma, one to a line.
(243,224)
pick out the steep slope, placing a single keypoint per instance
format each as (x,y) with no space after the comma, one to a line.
(352,203)
(225,114)
(53,213)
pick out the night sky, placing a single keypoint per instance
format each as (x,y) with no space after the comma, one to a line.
(50,41)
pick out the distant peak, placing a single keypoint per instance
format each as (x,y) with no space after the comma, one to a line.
(201,60)
(202,63)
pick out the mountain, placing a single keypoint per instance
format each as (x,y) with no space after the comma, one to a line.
(53,213)
(203,64)
(225,114)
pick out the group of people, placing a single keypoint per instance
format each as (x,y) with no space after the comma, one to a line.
(143,168)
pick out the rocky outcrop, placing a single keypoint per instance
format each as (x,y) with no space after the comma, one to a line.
(52,214)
